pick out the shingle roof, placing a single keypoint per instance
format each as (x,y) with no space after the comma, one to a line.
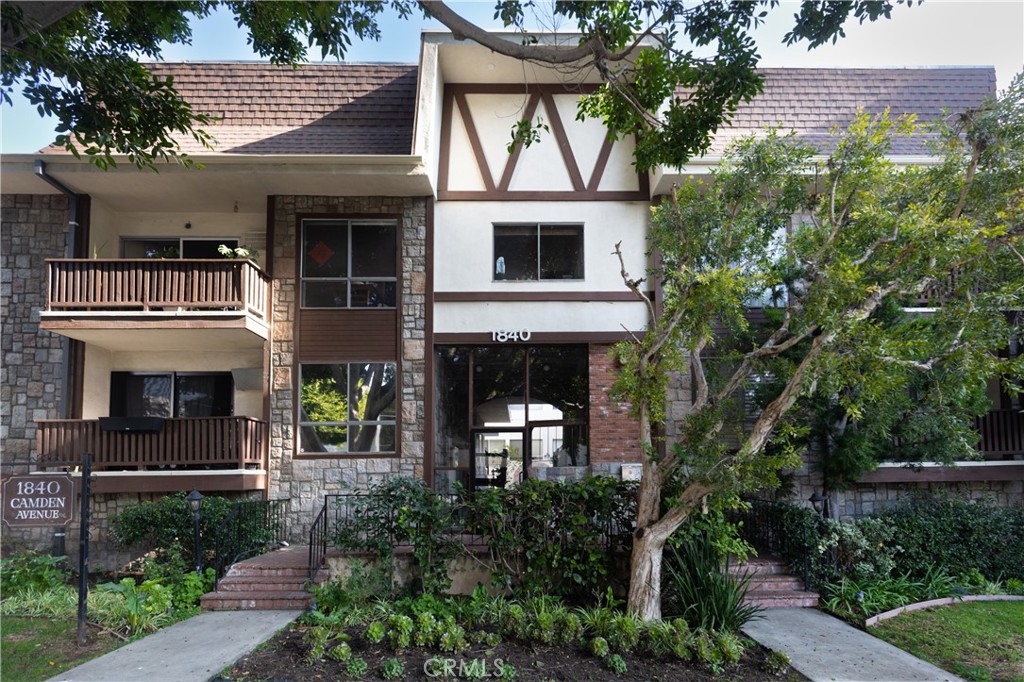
(315,109)
(813,101)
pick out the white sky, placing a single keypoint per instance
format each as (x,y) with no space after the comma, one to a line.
(935,33)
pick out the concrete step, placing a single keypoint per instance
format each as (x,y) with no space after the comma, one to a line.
(273,600)
(782,599)
(261,584)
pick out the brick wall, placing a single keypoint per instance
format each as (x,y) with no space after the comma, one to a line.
(33,228)
(614,434)
(306,481)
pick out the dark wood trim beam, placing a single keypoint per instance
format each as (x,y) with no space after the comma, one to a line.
(517,152)
(484,338)
(600,165)
(951,474)
(532,195)
(521,89)
(162,483)
(558,130)
(533,296)
(474,142)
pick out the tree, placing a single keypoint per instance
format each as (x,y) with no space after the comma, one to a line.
(77,61)
(868,238)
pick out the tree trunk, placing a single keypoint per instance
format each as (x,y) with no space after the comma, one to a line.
(645,574)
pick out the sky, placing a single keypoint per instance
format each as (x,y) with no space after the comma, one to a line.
(935,33)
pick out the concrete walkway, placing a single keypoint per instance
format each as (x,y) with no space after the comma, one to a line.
(825,649)
(193,650)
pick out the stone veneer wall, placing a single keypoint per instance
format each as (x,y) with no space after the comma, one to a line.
(306,481)
(614,434)
(33,227)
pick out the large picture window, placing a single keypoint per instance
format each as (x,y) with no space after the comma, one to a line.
(171,394)
(347,408)
(538,252)
(349,263)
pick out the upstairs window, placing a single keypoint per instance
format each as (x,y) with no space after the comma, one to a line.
(538,252)
(174,247)
(349,263)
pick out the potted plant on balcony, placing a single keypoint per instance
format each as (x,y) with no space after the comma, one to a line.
(239,252)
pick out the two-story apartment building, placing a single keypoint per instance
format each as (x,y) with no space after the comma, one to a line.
(425,300)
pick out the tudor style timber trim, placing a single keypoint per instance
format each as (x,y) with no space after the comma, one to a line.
(455,99)
(534,296)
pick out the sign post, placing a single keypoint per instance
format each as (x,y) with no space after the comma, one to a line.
(83,548)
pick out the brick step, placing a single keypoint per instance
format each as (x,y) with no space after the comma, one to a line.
(240,570)
(267,600)
(263,583)
(760,566)
(782,599)
(764,583)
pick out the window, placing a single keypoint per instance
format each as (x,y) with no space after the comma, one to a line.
(349,263)
(171,394)
(538,252)
(347,408)
(174,247)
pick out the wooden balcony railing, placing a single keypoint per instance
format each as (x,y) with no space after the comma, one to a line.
(1002,433)
(156,285)
(213,442)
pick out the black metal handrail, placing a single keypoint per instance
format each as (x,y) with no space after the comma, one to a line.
(762,525)
(250,527)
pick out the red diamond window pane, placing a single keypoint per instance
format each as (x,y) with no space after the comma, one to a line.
(321,253)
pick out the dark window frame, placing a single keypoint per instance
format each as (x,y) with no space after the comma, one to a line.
(539,269)
(348,424)
(118,398)
(349,279)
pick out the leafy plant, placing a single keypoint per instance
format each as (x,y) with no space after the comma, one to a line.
(400,629)
(356,667)
(616,664)
(392,669)
(403,510)
(698,590)
(22,572)
(505,672)
(375,632)
(777,663)
(599,647)
(145,605)
(340,652)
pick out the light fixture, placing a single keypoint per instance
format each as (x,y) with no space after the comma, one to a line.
(817,501)
(195,504)
(236,206)
(188,225)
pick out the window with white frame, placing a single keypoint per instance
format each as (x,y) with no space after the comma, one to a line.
(349,263)
(538,252)
(347,408)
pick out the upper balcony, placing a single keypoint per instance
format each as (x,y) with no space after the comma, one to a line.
(157,304)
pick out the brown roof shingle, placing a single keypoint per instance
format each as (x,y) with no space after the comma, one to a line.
(814,101)
(314,109)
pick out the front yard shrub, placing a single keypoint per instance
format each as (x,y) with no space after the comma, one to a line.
(404,511)
(27,571)
(559,539)
(146,606)
(959,535)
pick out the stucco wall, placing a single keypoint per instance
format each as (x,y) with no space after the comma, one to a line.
(306,481)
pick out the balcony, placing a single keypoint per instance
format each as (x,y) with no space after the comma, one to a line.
(162,455)
(157,304)
(1002,456)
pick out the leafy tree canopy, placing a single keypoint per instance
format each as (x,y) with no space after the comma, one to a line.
(78,61)
(848,244)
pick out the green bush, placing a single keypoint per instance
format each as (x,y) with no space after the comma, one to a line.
(20,573)
(405,511)
(166,525)
(146,605)
(959,535)
(559,539)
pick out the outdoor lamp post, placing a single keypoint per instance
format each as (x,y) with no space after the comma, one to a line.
(817,501)
(195,502)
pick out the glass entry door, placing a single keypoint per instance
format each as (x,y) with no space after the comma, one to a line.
(496,457)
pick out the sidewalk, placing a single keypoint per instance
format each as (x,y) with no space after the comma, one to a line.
(193,650)
(825,649)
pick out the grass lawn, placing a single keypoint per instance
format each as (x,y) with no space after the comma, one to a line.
(38,648)
(979,641)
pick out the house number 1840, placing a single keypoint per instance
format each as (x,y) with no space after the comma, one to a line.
(506,335)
